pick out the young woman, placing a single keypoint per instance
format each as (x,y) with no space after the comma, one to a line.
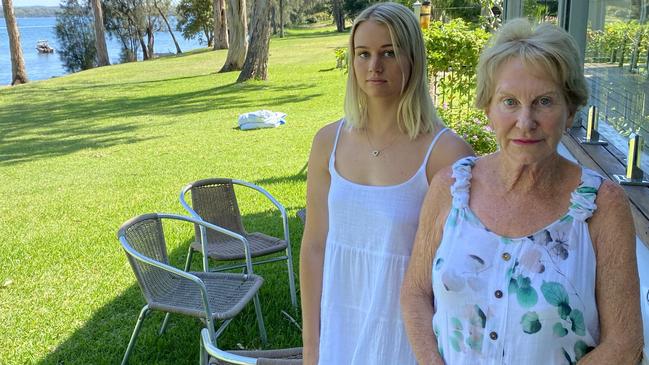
(368,175)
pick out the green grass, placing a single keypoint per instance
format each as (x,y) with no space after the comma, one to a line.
(81,154)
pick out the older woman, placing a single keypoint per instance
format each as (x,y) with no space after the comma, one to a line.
(531,257)
(368,175)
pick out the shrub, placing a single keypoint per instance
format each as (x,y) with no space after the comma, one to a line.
(472,125)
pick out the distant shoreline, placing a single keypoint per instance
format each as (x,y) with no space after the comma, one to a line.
(33,11)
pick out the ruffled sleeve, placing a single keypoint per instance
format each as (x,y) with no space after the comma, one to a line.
(461,187)
(582,202)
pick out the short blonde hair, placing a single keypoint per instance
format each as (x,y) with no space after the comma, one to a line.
(416,113)
(546,46)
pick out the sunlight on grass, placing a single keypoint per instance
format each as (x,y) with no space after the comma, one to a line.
(81,154)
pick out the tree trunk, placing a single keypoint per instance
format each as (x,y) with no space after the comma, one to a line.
(338,14)
(150,37)
(18,73)
(256,64)
(237,35)
(100,37)
(220,25)
(164,18)
(281,18)
(145,51)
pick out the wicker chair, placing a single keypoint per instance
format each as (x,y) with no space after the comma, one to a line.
(291,356)
(214,201)
(208,296)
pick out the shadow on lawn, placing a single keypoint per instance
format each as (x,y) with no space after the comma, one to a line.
(87,117)
(103,338)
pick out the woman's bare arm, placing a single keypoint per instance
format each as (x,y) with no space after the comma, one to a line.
(616,286)
(313,240)
(417,292)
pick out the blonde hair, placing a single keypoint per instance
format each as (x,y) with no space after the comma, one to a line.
(546,46)
(416,113)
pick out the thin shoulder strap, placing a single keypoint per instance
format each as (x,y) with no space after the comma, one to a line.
(332,158)
(432,145)
(582,199)
(460,189)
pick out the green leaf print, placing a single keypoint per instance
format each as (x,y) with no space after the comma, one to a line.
(478,318)
(586,190)
(513,286)
(567,356)
(559,330)
(456,340)
(577,319)
(564,310)
(455,322)
(581,349)
(527,296)
(531,323)
(554,293)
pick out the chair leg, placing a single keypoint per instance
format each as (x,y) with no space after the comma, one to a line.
(138,325)
(188,263)
(291,278)
(260,320)
(164,323)
(205,358)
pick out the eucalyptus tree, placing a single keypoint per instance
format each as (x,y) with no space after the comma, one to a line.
(159,5)
(100,37)
(18,73)
(237,35)
(220,25)
(256,62)
(195,18)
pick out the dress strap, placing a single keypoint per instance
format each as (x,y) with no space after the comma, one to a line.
(332,158)
(582,201)
(432,145)
(462,186)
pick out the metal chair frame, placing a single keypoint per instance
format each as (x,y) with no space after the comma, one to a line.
(210,349)
(288,255)
(210,333)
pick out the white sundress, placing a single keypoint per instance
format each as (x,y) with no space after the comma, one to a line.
(370,237)
(511,301)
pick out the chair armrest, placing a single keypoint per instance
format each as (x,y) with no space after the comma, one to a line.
(219,354)
(272,199)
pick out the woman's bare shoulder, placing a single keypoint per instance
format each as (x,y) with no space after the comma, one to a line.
(448,149)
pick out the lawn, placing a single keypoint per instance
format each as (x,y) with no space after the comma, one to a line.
(81,154)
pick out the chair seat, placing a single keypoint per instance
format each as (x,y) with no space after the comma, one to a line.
(232,248)
(228,293)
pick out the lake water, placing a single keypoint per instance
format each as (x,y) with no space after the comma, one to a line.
(43,66)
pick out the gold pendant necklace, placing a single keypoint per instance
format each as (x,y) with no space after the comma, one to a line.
(376,152)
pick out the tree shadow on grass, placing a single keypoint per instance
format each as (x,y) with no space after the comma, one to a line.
(103,338)
(34,127)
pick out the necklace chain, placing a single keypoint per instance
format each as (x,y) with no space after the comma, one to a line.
(376,152)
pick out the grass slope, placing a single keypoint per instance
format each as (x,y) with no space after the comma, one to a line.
(81,154)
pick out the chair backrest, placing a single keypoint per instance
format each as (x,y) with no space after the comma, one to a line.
(216,202)
(145,235)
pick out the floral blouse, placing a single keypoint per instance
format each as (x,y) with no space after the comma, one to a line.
(525,300)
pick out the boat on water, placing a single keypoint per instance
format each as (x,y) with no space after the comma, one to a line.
(43,47)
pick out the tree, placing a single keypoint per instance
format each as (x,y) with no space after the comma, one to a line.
(75,32)
(130,21)
(339,14)
(195,18)
(220,25)
(238,29)
(100,38)
(18,73)
(256,63)
(164,18)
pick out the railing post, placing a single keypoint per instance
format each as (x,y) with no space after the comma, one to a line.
(416,8)
(634,174)
(592,135)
